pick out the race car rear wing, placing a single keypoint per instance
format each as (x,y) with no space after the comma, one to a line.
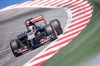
(36,19)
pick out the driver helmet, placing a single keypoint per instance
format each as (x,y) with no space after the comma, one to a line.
(31,28)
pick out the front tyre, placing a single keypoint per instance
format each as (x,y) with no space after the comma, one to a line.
(14,47)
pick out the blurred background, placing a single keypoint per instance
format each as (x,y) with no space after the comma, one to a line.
(5,3)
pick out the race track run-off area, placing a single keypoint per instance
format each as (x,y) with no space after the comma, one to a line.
(81,14)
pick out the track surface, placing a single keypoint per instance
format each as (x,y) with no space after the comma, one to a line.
(12,24)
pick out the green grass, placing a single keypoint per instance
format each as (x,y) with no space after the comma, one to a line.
(84,47)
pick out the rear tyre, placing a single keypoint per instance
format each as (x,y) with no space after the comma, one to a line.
(51,31)
(57,26)
(14,46)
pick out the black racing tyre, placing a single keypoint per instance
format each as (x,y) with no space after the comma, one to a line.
(14,46)
(51,31)
(57,26)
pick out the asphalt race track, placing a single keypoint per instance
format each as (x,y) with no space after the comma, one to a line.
(12,24)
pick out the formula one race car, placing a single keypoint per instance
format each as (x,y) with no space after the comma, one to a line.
(36,35)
